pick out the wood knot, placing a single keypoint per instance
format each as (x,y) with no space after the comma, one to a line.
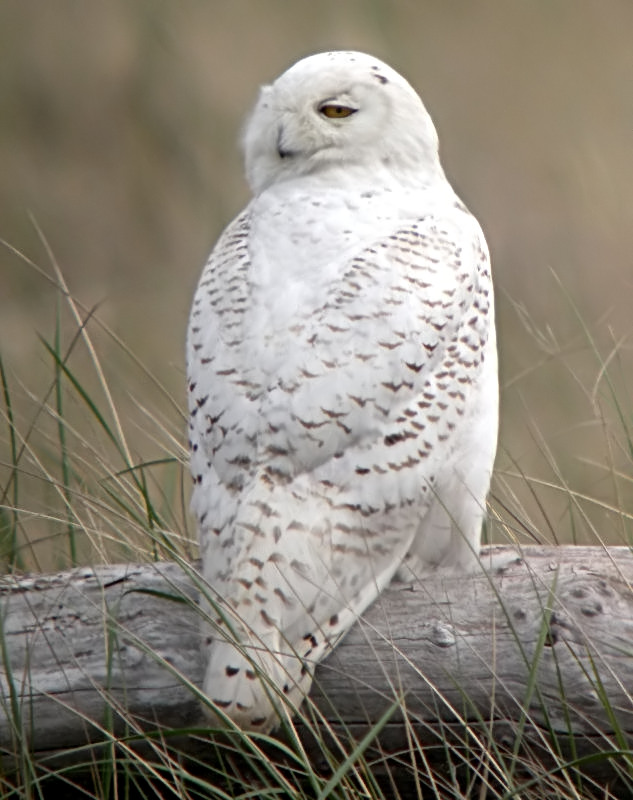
(443,635)
(592,609)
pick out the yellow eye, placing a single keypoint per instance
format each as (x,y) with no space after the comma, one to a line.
(333,111)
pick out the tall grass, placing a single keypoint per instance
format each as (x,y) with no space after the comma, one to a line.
(95,472)
(73,488)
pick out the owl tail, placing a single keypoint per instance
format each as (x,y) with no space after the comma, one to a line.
(254,685)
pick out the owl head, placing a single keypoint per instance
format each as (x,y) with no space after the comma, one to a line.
(345,112)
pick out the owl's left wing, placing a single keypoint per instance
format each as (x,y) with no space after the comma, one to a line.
(372,372)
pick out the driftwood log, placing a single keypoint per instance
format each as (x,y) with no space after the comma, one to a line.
(539,644)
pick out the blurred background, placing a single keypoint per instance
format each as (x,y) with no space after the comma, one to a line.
(120,160)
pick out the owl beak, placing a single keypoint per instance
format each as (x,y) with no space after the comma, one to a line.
(282,150)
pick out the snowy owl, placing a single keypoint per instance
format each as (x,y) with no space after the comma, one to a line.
(342,378)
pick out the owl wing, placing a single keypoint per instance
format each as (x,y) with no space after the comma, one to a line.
(363,413)
(222,385)
(310,480)
(402,307)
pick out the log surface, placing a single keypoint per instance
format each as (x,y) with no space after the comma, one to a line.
(538,640)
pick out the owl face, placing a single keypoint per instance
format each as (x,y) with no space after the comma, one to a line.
(340,110)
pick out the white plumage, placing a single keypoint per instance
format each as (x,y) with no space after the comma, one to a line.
(342,378)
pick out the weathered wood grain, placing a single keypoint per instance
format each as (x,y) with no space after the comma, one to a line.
(540,641)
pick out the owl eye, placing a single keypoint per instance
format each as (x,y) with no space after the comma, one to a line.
(334,111)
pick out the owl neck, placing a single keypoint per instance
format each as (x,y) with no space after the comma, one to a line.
(388,174)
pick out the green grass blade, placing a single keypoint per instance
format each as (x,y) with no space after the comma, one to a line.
(9,524)
(63,448)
